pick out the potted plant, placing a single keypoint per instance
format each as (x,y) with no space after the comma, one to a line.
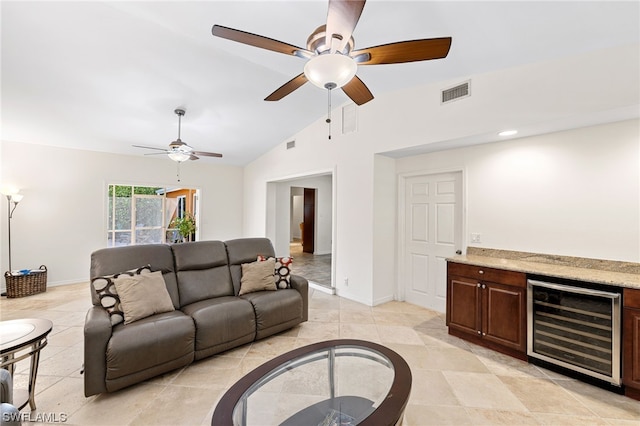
(185,225)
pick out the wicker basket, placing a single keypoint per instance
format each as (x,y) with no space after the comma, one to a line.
(26,285)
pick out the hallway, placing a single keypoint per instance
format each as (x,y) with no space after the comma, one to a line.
(315,268)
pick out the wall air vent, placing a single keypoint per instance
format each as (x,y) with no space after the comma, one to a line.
(291,144)
(457,92)
(349,119)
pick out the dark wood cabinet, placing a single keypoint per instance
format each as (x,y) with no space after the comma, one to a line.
(488,306)
(631,343)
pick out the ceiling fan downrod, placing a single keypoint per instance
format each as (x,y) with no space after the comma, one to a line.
(180,113)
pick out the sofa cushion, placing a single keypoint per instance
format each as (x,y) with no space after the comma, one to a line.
(282,273)
(105,288)
(221,323)
(202,271)
(152,341)
(258,276)
(114,260)
(142,295)
(275,310)
(245,250)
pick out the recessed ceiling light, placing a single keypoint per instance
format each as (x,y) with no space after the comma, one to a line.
(507,133)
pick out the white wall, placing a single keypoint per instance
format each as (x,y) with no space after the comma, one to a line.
(297,213)
(385,228)
(574,193)
(563,94)
(62,217)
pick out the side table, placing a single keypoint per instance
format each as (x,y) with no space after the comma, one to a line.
(20,339)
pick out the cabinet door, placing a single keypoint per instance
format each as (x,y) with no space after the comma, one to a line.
(463,301)
(504,320)
(631,349)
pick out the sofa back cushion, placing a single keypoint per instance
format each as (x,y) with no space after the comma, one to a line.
(202,271)
(115,260)
(246,250)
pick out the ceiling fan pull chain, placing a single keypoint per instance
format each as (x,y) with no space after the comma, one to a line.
(179,170)
(329,86)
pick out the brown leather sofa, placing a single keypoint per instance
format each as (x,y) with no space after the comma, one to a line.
(203,281)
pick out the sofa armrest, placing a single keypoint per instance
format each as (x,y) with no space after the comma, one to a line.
(302,285)
(97,332)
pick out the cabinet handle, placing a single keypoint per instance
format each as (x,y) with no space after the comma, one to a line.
(481,272)
(479,332)
(478,285)
(484,334)
(484,286)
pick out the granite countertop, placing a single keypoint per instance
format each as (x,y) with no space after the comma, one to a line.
(620,274)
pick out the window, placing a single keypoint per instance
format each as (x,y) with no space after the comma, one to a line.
(142,215)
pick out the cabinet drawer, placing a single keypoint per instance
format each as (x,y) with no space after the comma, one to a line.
(631,298)
(481,273)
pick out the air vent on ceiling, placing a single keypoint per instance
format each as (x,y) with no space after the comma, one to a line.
(291,144)
(457,92)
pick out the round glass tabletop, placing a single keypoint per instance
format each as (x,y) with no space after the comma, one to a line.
(22,332)
(338,382)
(9,333)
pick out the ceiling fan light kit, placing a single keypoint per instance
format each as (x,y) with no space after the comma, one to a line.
(178,156)
(330,71)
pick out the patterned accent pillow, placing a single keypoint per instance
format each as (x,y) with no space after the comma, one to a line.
(283,270)
(109,299)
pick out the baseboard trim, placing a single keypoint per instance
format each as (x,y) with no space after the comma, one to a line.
(322,288)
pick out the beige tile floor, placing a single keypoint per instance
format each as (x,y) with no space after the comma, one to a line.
(316,268)
(453,382)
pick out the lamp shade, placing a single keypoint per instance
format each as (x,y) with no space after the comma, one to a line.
(329,69)
(16,198)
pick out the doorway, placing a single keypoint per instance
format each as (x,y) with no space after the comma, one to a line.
(431,214)
(301,210)
(138,214)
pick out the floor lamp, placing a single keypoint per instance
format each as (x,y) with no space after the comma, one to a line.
(12,199)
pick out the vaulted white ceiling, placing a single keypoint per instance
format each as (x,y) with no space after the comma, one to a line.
(106,75)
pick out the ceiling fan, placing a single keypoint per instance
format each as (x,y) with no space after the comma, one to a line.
(332,61)
(179,151)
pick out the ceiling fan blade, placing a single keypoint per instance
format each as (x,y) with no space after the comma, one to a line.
(406,51)
(193,157)
(207,154)
(357,91)
(342,17)
(258,41)
(287,88)
(157,153)
(149,147)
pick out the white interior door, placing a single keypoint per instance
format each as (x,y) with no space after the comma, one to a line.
(433,232)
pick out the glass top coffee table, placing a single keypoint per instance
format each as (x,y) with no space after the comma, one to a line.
(338,382)
(20,339)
